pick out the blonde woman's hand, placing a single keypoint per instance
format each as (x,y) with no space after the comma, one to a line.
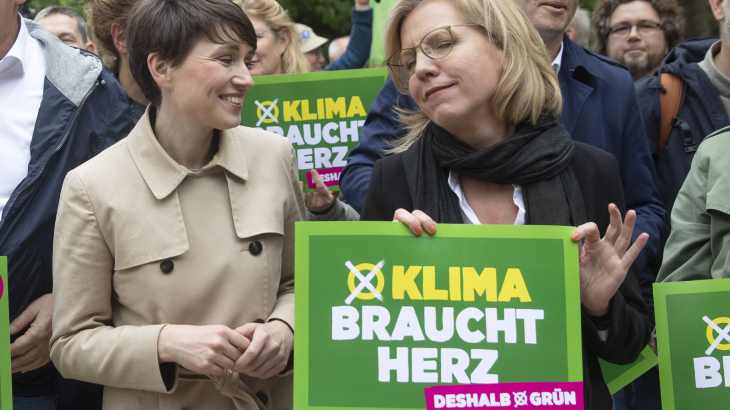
(417,221)
(605,262)
(271,344)
(202,349)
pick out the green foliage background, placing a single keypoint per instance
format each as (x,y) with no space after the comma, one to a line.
(39,5)
(328,18)
(331,18)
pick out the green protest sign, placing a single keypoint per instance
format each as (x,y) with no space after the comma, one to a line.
(618,376)
(6,381)
(381,8)
(321,114)
(692,325)
(385,318)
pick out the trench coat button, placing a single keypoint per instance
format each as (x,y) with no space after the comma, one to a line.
(255,247)
(259,320)
(167,266)
(263,397)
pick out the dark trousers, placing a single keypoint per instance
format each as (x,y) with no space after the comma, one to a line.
(76,395)
(642,394)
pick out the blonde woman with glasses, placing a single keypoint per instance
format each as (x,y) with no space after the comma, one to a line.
(485,147)
(278,49)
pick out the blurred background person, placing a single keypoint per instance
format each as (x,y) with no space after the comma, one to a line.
(312,45)
(638,33)
(579,29)
(68,26)
(337,47)
(700,70)
(108,19)
(355,52)
(279,45)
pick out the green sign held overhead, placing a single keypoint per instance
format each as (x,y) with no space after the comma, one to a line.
(388,320)
(693,341)
(6,382)
(322,115)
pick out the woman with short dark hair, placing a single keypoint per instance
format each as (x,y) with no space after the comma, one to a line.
(174,249)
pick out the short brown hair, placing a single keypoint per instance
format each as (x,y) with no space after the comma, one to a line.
(670,13)
(171,28)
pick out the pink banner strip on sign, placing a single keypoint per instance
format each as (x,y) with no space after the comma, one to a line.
(538,395)
(330,177)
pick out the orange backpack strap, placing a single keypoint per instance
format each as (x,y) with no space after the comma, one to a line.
(669,102)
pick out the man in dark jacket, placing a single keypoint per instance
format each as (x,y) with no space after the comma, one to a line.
(599,108)
(703,65)
(63,108)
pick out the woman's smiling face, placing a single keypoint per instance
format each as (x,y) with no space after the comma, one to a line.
(209,86)
(455,91)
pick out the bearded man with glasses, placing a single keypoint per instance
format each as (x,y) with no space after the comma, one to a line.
(638,33)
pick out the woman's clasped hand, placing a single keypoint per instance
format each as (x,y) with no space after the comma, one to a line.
(257,349)
(604,262)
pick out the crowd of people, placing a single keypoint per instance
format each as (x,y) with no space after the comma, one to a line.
(150,237)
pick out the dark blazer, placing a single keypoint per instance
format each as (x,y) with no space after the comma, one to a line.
(600,182)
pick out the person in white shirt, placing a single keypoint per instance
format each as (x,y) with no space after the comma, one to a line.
(59,106)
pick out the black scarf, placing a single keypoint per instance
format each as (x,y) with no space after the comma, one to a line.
(537,157)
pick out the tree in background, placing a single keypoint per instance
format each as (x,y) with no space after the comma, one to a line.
(38,5)
(700,22)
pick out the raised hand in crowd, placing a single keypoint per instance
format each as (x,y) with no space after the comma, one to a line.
(322,200)
(605,261)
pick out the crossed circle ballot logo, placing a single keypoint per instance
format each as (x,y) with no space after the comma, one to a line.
(722,334)
(359,291)
(267,112)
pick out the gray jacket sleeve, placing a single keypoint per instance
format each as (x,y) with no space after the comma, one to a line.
(341,211)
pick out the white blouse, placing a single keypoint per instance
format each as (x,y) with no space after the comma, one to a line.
(468,215)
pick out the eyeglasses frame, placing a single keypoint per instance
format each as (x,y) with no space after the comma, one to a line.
(657,26)
(418,47)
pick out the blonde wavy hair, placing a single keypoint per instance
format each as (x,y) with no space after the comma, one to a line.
(528,86)
(271,12)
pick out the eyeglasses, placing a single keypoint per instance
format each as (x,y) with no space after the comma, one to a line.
(316,52)
(435,45)
(645,28)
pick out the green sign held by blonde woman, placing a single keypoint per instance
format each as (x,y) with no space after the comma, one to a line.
(387,320)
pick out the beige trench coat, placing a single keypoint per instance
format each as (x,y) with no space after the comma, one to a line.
(119,218)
